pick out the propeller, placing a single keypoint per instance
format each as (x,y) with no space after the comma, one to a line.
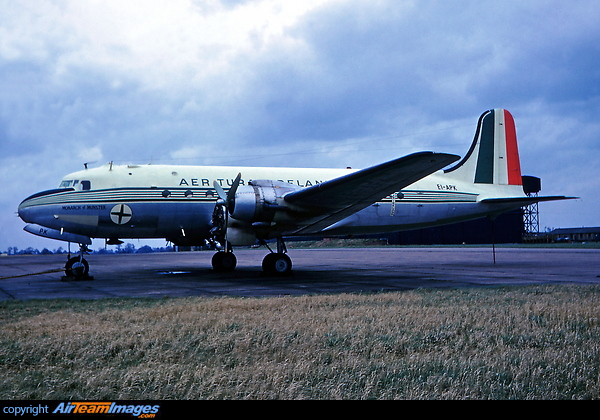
(229,197)
(226,200)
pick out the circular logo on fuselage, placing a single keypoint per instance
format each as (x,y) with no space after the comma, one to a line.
(120,214)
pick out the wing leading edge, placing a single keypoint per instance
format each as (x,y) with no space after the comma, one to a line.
(338,198)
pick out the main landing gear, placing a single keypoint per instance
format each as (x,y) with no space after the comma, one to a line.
(277,263)
(224,260)
(274,264)
(77,268)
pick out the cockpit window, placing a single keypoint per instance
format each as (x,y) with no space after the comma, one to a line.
(83,185)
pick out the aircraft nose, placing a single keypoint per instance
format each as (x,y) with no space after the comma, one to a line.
(30,207)
(25,212)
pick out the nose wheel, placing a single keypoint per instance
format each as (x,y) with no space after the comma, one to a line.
(77,268)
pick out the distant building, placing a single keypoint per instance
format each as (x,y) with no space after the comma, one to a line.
(581,234)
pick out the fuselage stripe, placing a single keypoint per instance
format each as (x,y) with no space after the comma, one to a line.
(207,195)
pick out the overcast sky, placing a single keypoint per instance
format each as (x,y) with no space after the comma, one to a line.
(324,83)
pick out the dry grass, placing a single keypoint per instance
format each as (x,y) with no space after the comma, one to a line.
(494,343)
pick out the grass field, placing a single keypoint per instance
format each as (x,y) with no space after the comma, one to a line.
(535,342)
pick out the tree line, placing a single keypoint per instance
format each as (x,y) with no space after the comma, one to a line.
(127,248)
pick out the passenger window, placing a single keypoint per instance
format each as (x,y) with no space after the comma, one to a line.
(86,185)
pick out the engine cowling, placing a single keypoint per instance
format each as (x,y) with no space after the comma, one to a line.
(240,237)
(259,201)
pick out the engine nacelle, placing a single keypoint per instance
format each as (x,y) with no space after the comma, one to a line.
(260,200)
(240,237)
(246,204)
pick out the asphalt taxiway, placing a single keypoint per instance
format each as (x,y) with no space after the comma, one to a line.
(316,271)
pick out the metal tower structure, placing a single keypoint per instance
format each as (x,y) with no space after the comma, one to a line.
(531,215)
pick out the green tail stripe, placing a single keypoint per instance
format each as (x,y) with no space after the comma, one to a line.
(484,174)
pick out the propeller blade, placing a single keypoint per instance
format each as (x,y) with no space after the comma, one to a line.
(229,197)
(220,191)
(233,189)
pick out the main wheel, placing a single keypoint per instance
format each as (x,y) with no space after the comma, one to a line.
(224,261)
(77,267)
(277,264)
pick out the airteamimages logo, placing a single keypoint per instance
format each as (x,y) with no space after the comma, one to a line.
(142,411)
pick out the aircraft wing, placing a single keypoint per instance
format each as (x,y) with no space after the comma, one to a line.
(338,198)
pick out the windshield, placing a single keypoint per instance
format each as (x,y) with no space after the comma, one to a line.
(68,183)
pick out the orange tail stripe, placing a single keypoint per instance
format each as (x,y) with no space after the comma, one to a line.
(512,151)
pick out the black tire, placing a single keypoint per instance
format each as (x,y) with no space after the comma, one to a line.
(277,264)
(224,261)
(77,267)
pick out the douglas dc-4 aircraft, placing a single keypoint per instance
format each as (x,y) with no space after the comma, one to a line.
(226,206)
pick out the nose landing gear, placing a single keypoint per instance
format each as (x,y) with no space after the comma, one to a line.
(77,268)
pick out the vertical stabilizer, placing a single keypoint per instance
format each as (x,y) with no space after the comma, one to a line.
(494,156)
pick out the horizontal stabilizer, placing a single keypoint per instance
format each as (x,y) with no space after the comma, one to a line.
(525,201)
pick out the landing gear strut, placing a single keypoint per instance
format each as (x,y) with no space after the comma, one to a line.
(77,268)
(224,259)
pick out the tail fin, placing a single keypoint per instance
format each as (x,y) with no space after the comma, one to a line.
(494,156)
